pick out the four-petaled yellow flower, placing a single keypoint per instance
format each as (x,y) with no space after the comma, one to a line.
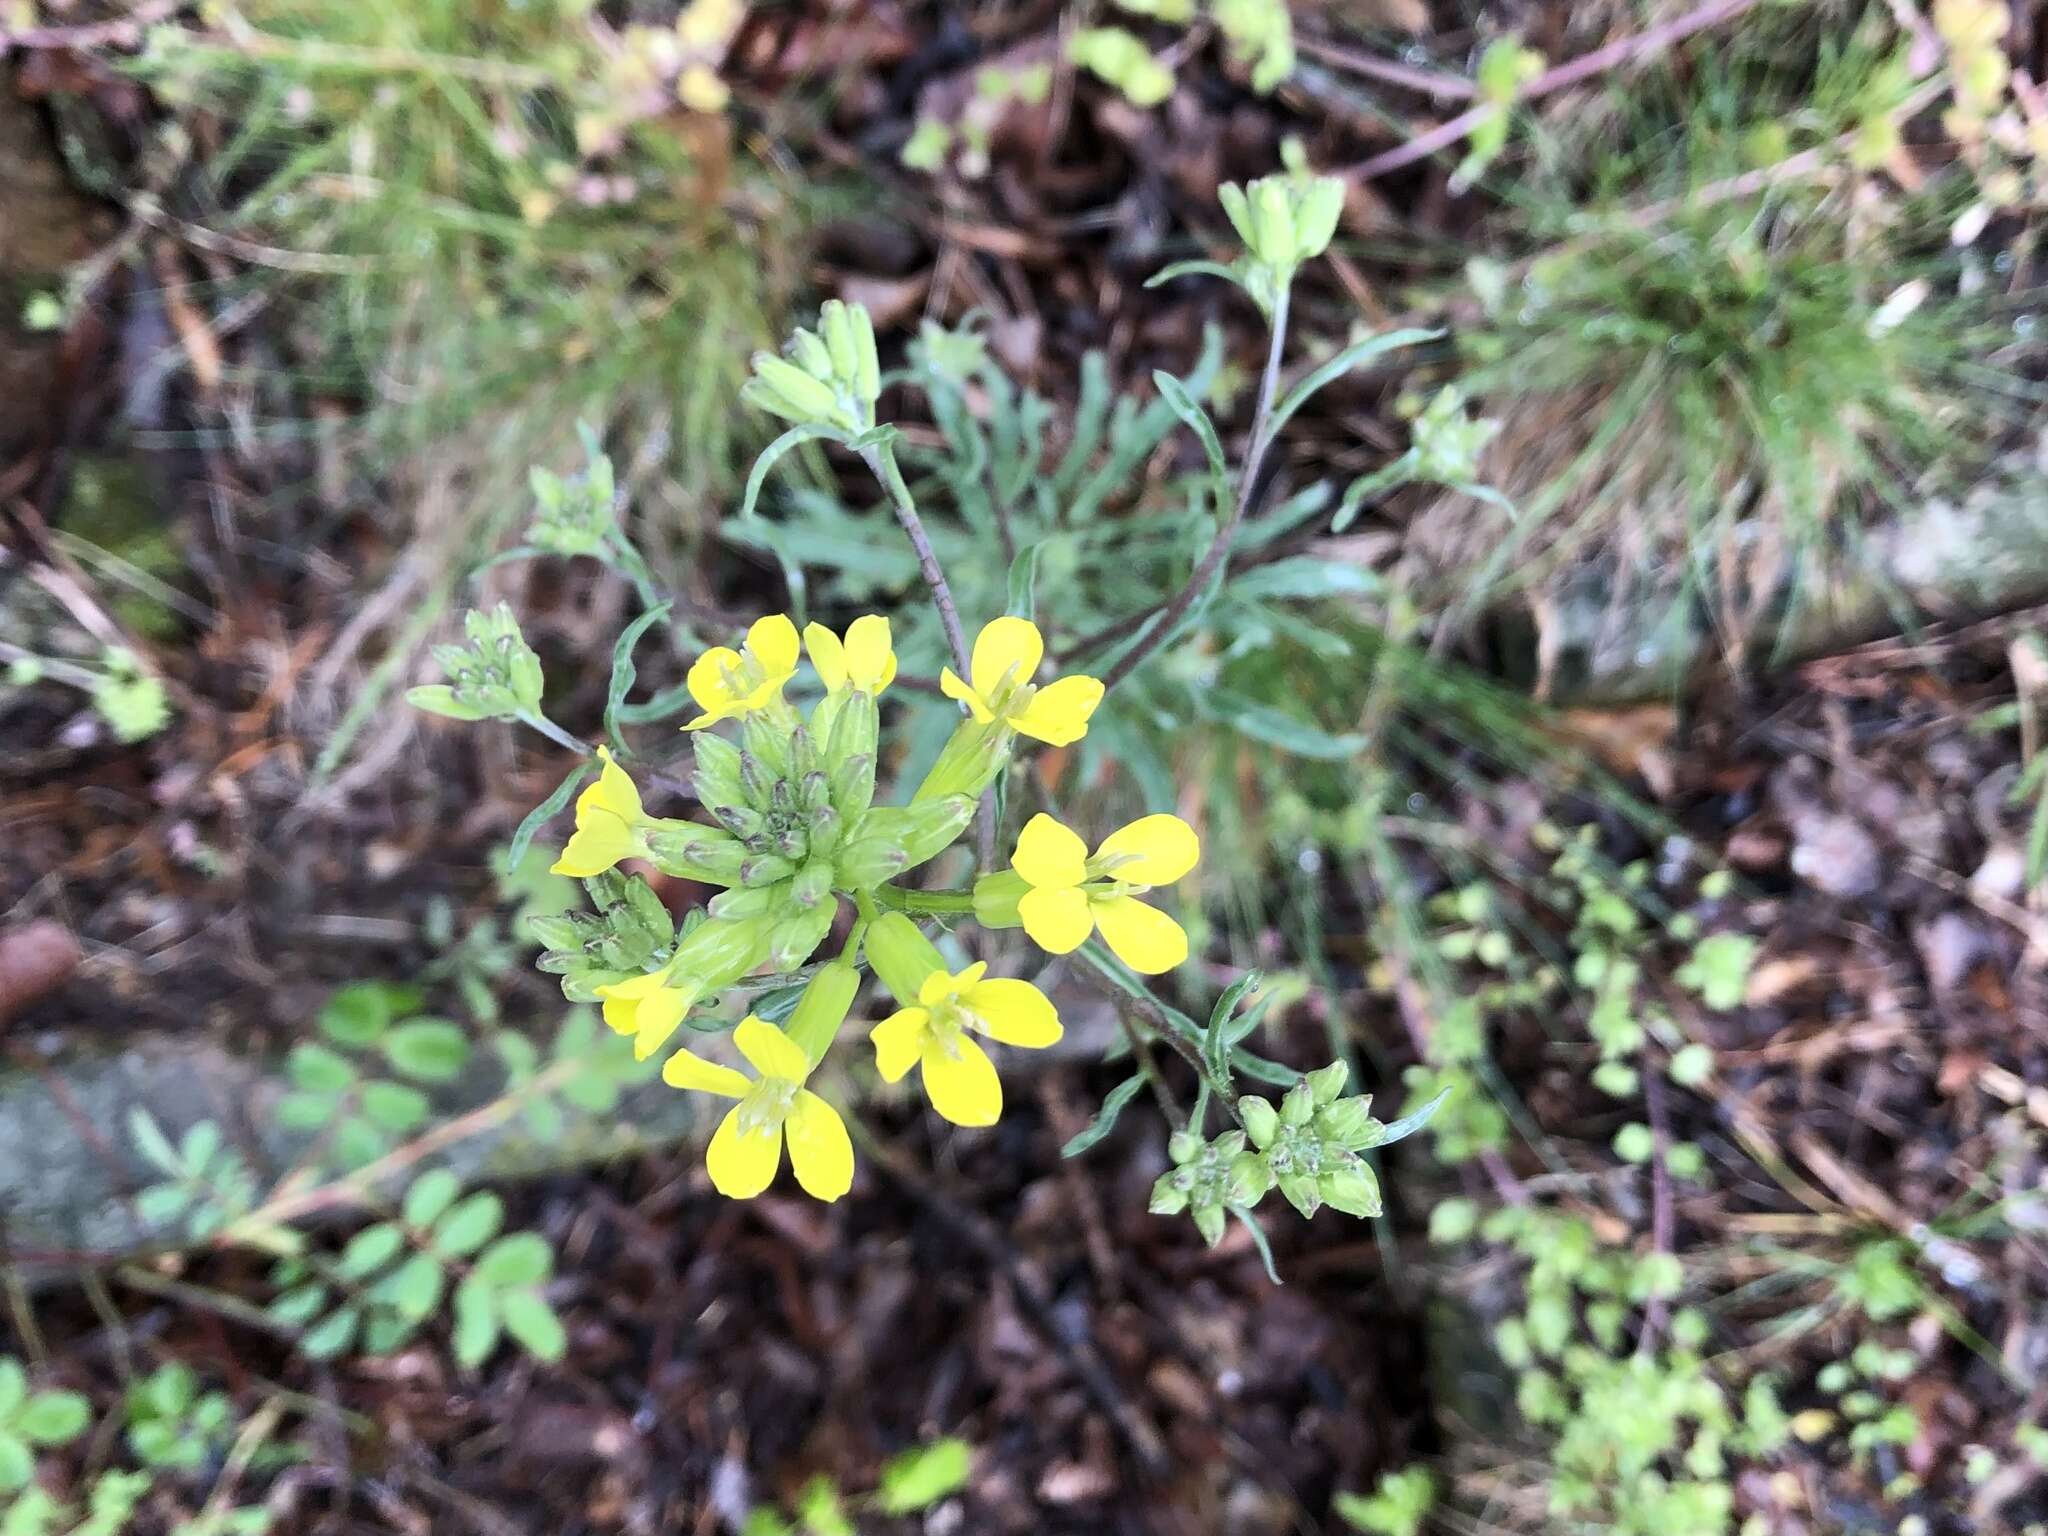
(864,661)
(727,684)
(1073,894)
(746,1149)
(1006,657)
(607,815)
(959,1078)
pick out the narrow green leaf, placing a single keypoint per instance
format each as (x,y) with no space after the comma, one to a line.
(1024,581)
(1178,269)
(1216,1039)
(476,1322)
(1276,728)
(795,437)
(1113,1104)
(329,1337)
(546,811)
(151,1141)
(1196,420)
(1408,1125)
(624,673)
(1353,357)
(1251,1225)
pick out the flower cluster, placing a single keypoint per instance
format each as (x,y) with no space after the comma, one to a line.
(794,837)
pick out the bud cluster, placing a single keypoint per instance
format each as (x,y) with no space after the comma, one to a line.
(1283,221)
(573,516)
(1310,1144)
(495,676)
(830,377)
(1208,1179)
(628,934)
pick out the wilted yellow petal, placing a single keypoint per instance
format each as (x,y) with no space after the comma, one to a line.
(1144,938)
(772,642)
(961,1082)
(1058,714)
(1014,1012)
(898,1039)
(819,1149)
(1058,920)
(688,1070)
(1006,647)
(772,1053)
(951,686)
(1050,855)
(599,841)
(870,656)
(1153,850)
(828,656)
(742,1162)
(660,1015)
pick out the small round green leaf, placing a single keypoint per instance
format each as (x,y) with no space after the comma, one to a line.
(316,1069)
(469,1225)
(17,1464)
(524,1258)
(430,1195)
(52,1418)
(531,1321)
(429,1050)
(370,1250)
(920,1478)
(332,1335)
(395,1107)
(476,1322)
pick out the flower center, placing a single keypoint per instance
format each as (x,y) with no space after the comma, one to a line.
(767,1105)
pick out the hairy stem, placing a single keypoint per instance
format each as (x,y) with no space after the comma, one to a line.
(925,901)
(1219,547)
(882,461)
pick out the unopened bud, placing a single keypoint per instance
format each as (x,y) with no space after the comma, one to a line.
(1354,1190)
(765,869)
(997,899)
(689,851)
(901,955)
(718,771)
(822,1009)
(1325,1083)
(797,933)
(1261,1120)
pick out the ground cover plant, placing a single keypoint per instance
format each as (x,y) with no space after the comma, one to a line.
(1148,767)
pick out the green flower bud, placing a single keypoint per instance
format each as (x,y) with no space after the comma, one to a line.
(1273,222)
(1239,209)
(495,676)
(647,912)
(1302,1192)
(1250,1179)
(1261,1121)
(901,955)
(759,783)
(743,822)
(746,902)
(798,932)
(835,323)
(972,757)
(802,761)
(1209,1221)
(997,898)
(891,839)
(827,829)
(1184,1146)
(718,771)
(822,1009)
(812,884)
(1354,1190)
(1315,216)
(765,869)
(1299,1106)
(765,736)
(1349,1124)
(690,851)
(810,353)
(1169,1198)
(717,953)
(564,930)
(781,387)
(1327,1082)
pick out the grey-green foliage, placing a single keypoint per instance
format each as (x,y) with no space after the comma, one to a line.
(494,676)
(1398,1507)
(172,1424)
(31,1420)
(207,1183)
(443,1251)
(337,1091)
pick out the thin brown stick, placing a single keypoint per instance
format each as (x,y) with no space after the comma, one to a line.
(1663,1219)
(1219,547)
(1623,51)
(1430,82)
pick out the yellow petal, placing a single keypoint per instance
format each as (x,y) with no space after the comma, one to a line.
(660,1015)
(828,656)
(686,1069)
(1153,850)
(620,1012)
(706,682)
(870,657)
(951,686)
(961,1082)
(773,643)
(614,791)
(940,985)
(1014,1012)
(1058,713)
(898,1039)
(1144,938)
(1049,855)
(599,841)
(742,1162)
(1059,921)
(819,1149)
(771,1052)
(1006,647)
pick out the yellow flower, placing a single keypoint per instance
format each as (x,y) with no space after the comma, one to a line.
(726,683)
(607,818)
(746,1149)
(1073,894)
(650,1008)
(959,1078)
(865,661)
(1006,657)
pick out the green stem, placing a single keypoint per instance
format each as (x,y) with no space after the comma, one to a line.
(556,734)
(925,901)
